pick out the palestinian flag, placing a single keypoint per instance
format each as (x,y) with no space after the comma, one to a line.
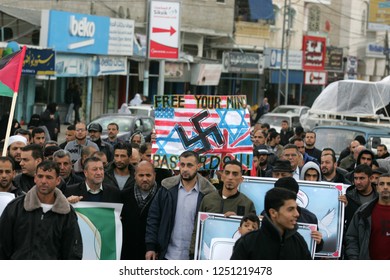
(10,72)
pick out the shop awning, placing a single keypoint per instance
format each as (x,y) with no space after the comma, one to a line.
(28,15)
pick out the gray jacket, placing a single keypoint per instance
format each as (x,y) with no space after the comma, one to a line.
(358,234)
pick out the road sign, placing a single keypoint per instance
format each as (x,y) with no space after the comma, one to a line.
(164,30)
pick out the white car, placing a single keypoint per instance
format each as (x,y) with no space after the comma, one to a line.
(275,120)
(291,109)
(142,110)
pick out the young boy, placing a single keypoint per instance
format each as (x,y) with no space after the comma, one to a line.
(249,223)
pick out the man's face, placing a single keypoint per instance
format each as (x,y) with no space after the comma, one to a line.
(136,139)
(258,138)
(46,181)
(383,189)
(263,160)
(310,139)
(328,167)
(374,178)
(231,177)
(6,175)
(28,163)
(311,175)
(362,182)
(366,159)
(380,151)
(188,168)
(287,216)
(301,146)
(292,156)
(135,157)
(353,145)
(70,135)
(103,158)
(94,172)
(121,159)
(147,155)
(39,138)
(94,135)
(15,150)
(81,131)
(65,166)
(281,174)
(145,176)
(247,226)
(112,131)
(284,125)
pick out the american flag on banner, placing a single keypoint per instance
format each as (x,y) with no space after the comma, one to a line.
(217,127)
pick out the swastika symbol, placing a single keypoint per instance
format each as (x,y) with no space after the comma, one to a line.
(211,131)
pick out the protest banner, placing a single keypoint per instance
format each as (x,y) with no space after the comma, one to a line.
(321,198)
(216,127)
(101,229)
(217,234)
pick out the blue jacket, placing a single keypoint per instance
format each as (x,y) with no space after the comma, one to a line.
(161,217)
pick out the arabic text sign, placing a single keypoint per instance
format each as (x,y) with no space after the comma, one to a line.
(314,52)
(217,127)
(39,62)
(319,198)
(217,234)
(101,230)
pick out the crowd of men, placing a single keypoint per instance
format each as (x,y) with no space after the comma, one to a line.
(159,214)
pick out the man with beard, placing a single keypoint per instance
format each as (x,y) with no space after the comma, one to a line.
(329,170)
(136,204)
(70,135)
(368,235)
(310,149)
(113,131)
(31,156)
(120,173)
(7,173)
(74,147)
(360,192)
(172,214)
(95,132)
(93,189)
(229,201)
(15,145)
(262,153)
(381,151)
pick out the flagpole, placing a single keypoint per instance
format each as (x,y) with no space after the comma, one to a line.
(10,119)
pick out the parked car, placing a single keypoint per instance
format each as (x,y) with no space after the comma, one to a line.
(291,109)
(339,137)
(142,110)
(275,120)
(128,124)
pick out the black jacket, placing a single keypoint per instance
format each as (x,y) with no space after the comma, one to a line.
(161,217)
(133,226)
(110,180)
(267,244)
(26,233)
(24,182)
(110,194)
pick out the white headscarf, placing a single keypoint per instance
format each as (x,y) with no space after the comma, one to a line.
(137,100)
(124,109)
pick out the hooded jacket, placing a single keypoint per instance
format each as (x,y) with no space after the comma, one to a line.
(267,244)
(307,166)
(27,233)
(161,217)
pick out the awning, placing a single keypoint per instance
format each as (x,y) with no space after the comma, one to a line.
(28,15)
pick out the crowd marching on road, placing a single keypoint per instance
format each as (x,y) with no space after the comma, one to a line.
(159,214)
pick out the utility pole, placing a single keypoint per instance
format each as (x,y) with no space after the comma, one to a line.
(146,66)
(386,53)
(285,47)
